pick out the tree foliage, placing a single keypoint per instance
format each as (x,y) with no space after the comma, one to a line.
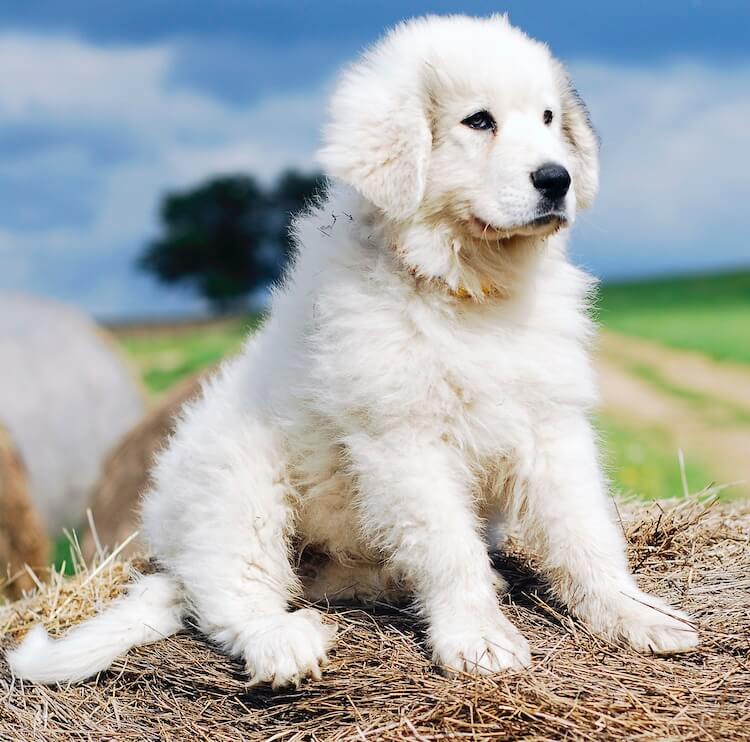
(228,237)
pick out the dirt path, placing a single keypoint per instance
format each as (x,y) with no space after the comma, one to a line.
(728,382)
(703,405)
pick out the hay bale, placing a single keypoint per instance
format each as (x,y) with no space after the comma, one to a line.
(116,494)
(22,538)
(67,397)
(380,685)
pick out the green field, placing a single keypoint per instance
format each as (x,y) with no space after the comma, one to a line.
(643,461)
(165,355)
(709,314)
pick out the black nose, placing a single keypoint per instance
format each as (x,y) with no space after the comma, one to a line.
(551,180)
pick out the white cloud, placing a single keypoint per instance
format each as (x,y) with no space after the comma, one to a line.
(675,158)
(675,152)
(63,75)
(176,136)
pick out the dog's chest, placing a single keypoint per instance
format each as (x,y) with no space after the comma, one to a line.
(479,386)
(491,388)
(479,376)
(495,363)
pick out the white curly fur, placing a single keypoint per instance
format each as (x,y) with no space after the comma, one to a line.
(423,373)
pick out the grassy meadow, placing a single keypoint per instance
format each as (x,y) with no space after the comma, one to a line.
(708,313)
(643,461)
(163,355)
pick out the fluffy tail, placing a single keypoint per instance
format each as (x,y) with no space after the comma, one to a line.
(152,610)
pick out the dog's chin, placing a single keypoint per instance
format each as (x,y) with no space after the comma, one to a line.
(541,226)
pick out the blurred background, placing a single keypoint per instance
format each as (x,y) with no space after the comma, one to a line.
(151,154)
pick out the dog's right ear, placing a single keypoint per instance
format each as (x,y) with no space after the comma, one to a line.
(379,139)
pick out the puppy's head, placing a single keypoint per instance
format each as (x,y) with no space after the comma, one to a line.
(465,123)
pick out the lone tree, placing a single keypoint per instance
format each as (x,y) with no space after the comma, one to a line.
(227,237)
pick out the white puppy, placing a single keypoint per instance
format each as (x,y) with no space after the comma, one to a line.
(423,372)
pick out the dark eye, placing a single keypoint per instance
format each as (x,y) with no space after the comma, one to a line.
(481,120)
(547,117)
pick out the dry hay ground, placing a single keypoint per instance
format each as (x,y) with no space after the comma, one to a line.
(381,686)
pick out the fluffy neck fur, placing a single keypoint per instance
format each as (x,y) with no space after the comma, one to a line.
(460,264)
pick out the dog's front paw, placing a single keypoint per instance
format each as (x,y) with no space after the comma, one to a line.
(644,622)
(286,648)
(650,625)
(480,648)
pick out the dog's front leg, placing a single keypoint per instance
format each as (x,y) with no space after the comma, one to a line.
(415,507)
(564,515)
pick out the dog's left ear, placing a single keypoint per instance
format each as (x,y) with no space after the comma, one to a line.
(379,139)
(582,140)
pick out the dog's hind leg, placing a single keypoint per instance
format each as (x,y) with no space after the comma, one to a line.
(361,582)
(220,518)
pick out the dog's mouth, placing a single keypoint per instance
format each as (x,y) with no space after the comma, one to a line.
(541,226)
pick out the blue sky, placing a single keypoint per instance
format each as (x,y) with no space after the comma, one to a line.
(104,106)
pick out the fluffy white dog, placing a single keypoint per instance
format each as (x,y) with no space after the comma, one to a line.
(423,373)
